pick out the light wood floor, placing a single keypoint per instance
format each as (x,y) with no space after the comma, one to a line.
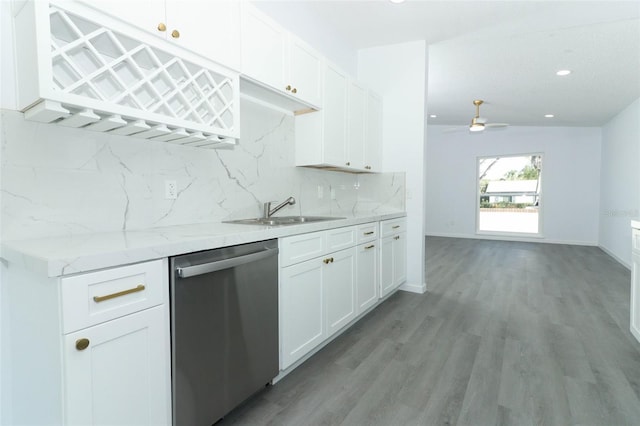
(508,333)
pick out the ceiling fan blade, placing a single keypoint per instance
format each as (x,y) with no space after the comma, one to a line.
(496,125)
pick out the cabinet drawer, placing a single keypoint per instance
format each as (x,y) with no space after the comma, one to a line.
(341,238)
(302,247)
(393,226)
(636,240)
(367,232)
(96,297)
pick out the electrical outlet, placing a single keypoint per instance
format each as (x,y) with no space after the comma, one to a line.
(320,192)
(170,190)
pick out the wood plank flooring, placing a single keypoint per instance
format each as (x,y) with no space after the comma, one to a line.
(509,333)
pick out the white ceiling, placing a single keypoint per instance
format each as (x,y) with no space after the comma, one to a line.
(504,52)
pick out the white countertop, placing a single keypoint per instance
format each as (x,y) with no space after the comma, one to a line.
(635,223)
(80,253)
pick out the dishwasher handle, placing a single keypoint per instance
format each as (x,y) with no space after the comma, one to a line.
(219,265)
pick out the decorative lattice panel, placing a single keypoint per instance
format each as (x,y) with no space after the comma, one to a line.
(186,102)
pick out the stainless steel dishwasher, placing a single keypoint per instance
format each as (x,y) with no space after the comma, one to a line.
(224,329)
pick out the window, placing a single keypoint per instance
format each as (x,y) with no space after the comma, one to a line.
(509,191)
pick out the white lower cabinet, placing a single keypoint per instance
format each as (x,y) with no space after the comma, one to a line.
(317,298)
(120,378)
(339,289)
(93,348)
(302,325)
(366,276)
(393,255)
(327,280)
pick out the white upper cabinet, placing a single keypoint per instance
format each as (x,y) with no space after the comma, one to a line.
(321,137)
(263,48)
(356,141)
(347,133)
(373,133)
(274,57)
(209,28)
(78,67)
(305,69)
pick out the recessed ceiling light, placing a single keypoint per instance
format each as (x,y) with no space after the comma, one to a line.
(433,116)
(396,1)
(548,115)
(562,73)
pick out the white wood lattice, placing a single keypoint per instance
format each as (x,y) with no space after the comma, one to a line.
(133,88)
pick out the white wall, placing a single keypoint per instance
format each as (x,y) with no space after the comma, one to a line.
(570,179)
(620,182)
(403,89)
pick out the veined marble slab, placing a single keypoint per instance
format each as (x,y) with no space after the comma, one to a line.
(58,256)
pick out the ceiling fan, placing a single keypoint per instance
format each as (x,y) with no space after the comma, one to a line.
(479,124)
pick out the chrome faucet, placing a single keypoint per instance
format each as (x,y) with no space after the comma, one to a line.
(268,211)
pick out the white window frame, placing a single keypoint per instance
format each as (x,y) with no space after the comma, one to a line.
(518,235)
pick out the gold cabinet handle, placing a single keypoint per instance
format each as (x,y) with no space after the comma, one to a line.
(99,299)
(367,167)
(175,34)
(369,233)
(288,88)
(326,261)
(162,27)
(395,227)
(370,247)
(294,90)
(348,163)
(82,344)
(332,260)
(397,237)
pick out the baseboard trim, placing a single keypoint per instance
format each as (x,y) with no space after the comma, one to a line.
(615,257)
(512,238)
(414,288)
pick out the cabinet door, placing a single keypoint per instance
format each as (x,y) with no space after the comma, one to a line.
(210,28)
(387,283)
(144,14)
(355,141)
(373,134)
(305,72)
(400,259)
(263,48)
(339,289)
(335,117)
(301,309)
(366,276)
(635,295)
(123,376)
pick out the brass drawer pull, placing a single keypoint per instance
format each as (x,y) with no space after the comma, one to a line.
(162,27)
(395,227)
(397,237)
(326,261)
(99,299)
(369,247)
(175,34)
(82,344)
(369,233)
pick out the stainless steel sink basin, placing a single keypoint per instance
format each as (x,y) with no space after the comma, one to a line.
(282,220)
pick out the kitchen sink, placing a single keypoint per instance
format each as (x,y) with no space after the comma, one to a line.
(282,220)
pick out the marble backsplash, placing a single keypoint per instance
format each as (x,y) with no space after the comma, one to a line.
(60,181)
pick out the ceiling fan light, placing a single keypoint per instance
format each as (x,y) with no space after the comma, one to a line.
(476,125)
